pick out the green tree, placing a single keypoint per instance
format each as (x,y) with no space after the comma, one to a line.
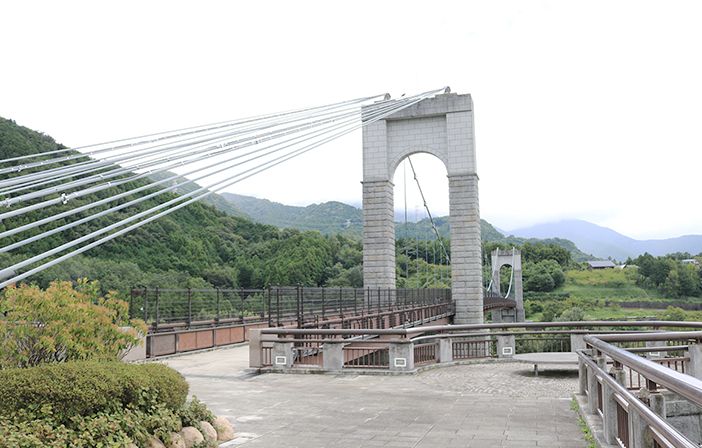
(573,314)
(674,313)
(63,323)
(537,277)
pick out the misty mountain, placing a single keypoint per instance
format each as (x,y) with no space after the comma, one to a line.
(604,242)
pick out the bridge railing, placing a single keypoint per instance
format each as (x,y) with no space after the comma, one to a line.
(522,337)
(642,384)
(167,309)
(643,396)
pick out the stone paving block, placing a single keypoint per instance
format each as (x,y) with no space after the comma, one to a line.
(480,405)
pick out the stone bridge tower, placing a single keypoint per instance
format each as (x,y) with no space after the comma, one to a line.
(441,126)
(513,259)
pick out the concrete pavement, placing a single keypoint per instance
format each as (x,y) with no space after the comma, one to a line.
(479,405)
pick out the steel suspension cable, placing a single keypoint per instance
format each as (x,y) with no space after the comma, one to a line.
(222,168)
(183,131)
(426,207)
(92,190)
(180,156)
(95,165)
(379,108)
(207,192)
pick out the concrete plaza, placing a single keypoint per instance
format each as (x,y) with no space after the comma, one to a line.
(478,405)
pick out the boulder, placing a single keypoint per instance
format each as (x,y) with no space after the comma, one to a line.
(154,442)
(208,432)
(191,436)
(176,441)
(131,445)
(225,430)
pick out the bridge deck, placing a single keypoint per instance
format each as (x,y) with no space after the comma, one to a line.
(485,405)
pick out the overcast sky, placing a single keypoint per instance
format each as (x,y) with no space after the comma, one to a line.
(589,110)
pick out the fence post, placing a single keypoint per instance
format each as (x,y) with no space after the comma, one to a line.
(131,303)
(378,320)
(218,308)
(241,309)
(609,414)
(146,305)
(694,367)
(277,304)
(323,305)
(333,356)
(282,355)
(582,377)
(505,346)
(157,308)
(656,399)
(445,350)
(302,306)
(190,307)
(355,301)
(577,342)
(591,391)
(637,430)
(255,348)
(341,301)
(401,356)
(270,317)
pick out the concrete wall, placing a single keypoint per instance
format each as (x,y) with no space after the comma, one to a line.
(684,416)
(441,126)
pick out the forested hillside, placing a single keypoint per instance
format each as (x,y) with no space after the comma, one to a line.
(195,246)
(200,246)
(336,217)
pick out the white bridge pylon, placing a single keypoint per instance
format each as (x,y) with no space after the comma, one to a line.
(441,126)
(512,258)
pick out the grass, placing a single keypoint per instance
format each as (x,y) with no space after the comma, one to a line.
(587,434)
(609,284)
(589,290)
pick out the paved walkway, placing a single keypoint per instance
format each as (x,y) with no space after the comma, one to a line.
(480,405)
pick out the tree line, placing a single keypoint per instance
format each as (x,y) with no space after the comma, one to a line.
(669,274)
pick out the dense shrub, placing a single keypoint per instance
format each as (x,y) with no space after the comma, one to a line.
(195,412)
(85,388)
(44,429)
(62,323)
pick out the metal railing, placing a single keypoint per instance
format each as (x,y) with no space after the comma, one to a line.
(425,353)
(366,357)
(633,412)
(617,380)
(168,309)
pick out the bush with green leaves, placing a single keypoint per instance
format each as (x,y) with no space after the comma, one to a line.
(94,404)
(195,412)
(63,323)
(84,388)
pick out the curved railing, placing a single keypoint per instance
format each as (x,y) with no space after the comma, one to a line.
(618,385)
(629,417)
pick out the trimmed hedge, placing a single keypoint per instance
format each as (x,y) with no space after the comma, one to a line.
(85,388)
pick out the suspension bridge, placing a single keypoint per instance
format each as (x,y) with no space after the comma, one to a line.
(637,386)
(40,193)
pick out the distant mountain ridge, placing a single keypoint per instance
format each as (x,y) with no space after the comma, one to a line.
(604,242)
(327,217)
(337,217)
